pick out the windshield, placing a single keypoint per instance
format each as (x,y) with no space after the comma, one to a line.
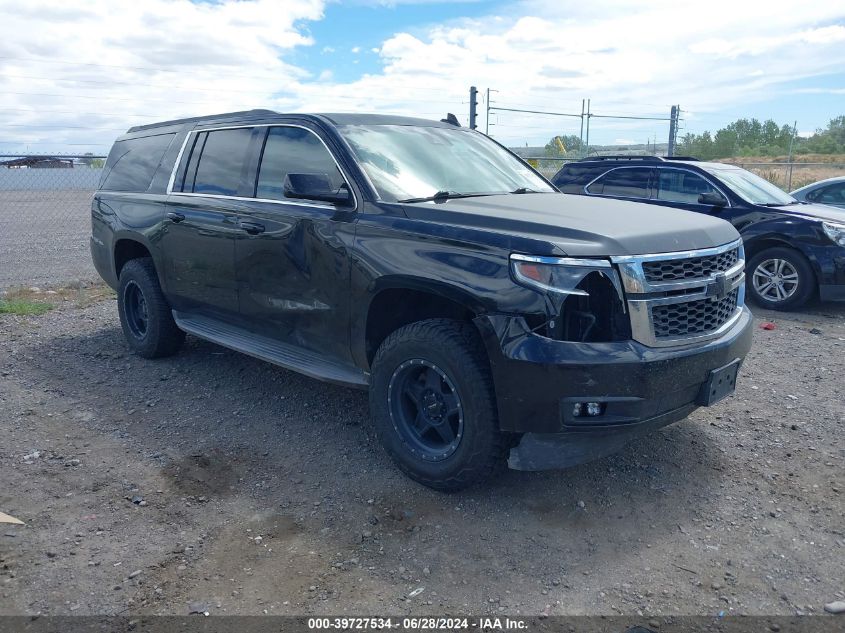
(406,162)
(750,186)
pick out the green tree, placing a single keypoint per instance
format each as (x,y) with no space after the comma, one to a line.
(562,145)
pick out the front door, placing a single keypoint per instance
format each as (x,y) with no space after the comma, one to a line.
(681,188)
(293,261)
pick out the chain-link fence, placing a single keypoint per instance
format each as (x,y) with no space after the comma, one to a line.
(45,219)
(791,176)
(45,206)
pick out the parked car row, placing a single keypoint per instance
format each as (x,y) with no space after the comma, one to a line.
(794,244)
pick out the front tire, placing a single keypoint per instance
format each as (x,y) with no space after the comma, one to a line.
(433,404)
(145,315)
(780,278)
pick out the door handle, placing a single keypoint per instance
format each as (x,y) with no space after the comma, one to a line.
(253,228)
(174,217)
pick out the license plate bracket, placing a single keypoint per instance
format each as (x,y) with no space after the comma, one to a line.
(720,384)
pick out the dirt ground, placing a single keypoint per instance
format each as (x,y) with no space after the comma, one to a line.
(212,481)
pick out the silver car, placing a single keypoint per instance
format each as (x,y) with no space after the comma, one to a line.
(830,191)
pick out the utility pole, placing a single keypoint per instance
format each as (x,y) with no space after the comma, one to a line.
(581,137)
(673,130)
(587,142)
(791,142)
(487,118)
(473,107)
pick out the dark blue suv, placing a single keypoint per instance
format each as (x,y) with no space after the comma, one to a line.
(794,250)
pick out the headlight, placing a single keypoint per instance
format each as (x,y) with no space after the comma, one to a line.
(559,275)
(836,232)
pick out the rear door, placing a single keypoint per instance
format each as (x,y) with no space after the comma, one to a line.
(293,264)
(629,183)
(201,222)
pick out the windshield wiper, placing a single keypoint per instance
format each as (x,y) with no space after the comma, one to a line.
(524,190)
(443,195)
(778,204)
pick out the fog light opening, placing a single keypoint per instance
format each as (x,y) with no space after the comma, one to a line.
(587,409)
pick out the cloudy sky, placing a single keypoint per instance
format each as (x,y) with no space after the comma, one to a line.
(75,74)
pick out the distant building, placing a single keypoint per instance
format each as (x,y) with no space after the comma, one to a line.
(38,162)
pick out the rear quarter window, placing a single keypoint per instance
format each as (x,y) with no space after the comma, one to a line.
(132,163)
(573,177)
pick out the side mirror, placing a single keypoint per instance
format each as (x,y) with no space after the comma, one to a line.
(316,187)
(713,199)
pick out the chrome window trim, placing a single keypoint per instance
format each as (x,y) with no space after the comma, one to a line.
(650,199)
(286,201)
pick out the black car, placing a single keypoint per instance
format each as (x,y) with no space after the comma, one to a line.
(795,250)
(492,318)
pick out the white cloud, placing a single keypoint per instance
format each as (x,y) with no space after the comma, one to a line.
(71,75)
(161,59)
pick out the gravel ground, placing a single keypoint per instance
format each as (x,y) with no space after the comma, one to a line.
(214,481)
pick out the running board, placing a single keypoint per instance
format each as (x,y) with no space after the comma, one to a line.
(267,349)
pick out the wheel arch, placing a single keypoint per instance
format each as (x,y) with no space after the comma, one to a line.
(401,300)
(757,245)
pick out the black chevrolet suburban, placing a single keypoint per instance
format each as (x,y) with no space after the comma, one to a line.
(493,319)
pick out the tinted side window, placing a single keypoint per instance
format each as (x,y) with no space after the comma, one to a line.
(681,186)
(627,182)
(132,163)
(572,177)
(832,194)
(293,150)
(221,162)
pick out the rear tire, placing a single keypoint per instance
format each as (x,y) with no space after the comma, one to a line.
(780,278)
(145,315)
(433,404)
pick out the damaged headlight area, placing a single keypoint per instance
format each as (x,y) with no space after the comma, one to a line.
(836,232)
(584,298)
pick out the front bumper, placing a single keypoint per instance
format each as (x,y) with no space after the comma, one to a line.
(538,380)
(831,292)
(829,265)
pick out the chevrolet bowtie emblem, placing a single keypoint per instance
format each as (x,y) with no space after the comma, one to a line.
(718,288)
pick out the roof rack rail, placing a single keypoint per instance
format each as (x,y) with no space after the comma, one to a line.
(212,117)
(643,157)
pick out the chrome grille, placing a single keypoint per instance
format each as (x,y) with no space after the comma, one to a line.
(683,298)
(693,317)
(691,268)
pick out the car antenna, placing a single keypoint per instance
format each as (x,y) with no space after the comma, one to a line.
(451,119)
